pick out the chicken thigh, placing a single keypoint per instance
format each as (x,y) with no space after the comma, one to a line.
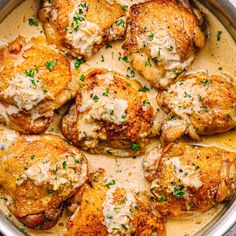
(198,104)
(82,27)
(108,209)
(186,179)
(110,115)
(34,81)
(39,173)
(162,39)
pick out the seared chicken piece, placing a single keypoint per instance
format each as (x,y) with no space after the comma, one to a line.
(198,104)
(82,27)
(34,81)
(108,209)
(110,115)
(162,39)
(188,178)
(39,173)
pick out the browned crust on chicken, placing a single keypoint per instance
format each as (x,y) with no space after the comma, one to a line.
(174,28)
(38,204)
(88,218)
(190,178)
(205,106)
(116,136)
(57,85)
(54,15)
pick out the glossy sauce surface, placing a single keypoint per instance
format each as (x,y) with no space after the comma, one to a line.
(218,57)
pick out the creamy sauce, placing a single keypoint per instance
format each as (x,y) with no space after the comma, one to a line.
(192,179)
(216,57)
(25,91)
(45,172)
(117,215)
(80,33)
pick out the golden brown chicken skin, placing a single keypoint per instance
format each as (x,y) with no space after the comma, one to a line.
(39,173)
(82,27)
(162,39)
(109,210)
(34,81)
(187,179)
(198,104)
(110,115)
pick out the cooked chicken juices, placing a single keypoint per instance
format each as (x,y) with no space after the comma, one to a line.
(217,57)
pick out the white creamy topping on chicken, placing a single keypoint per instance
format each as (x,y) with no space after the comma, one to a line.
(105,109)
(108,77)
(108,109)
(70,170)
(117,216)
(99,106)
(118,27)
(188,175)
(6,138)
(184,175)
(188,96)
(25,91)
(164,52)
(82,34)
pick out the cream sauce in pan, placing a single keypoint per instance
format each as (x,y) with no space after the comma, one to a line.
(216,57)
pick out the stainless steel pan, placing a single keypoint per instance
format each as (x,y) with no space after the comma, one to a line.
(226,13)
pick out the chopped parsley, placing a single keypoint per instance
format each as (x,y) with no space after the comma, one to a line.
(135,146)
(125,59)
(109,151)
(125,8)
(29,73)
(76,160)
(44,90)
(148,63)
(78,62)
(113,182)
(51,64)
(187,95)
(170,48)
(106,92)
(33,22)
(145,102)
(33,82)
(95,98)
(49,190)
(108,46)
(162,198)
(124,226)
(196,168)
(205,82)
(82,77)
(178,191)
(229,116)
(218,35)
(111,112)
(123,116)
(151,36)
(120,22)
(155,59)
(109,216)
(102,58)
(21,227)
(32,156)
(36,68)
(64,164)
(144,89)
